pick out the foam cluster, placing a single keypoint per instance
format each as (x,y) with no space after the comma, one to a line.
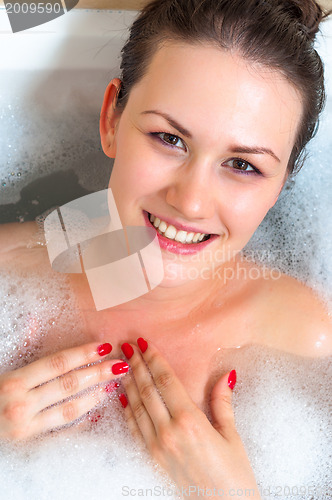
(95,459)
(282,413)
(34,307)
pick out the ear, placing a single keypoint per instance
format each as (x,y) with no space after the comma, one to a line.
(109,118)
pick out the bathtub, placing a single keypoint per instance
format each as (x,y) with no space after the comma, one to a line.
(52,80)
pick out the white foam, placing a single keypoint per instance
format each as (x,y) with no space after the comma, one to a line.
(97,462)
(282,412)
(31,308)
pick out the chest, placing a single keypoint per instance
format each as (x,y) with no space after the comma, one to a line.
(193,345)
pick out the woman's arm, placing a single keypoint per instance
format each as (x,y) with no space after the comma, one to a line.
(14,236)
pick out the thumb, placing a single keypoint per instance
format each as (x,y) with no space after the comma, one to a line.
(221,404)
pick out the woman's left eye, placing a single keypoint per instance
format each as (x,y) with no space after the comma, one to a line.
(170,140)
(242,166)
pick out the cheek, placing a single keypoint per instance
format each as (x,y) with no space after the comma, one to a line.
(137,168)
(131,154)
(245,209)
(131,175)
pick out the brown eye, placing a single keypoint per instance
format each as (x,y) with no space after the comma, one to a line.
(171,140)
(242,165)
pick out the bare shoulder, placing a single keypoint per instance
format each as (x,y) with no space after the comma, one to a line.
(15,237)
(16,234)
(297,317)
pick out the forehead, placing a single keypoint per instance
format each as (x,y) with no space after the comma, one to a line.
(211,88)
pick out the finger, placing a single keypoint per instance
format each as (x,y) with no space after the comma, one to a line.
(130,419)
(221,405)
(147,390)
(171,389)
(59,363)
(75,381)
(67,412)
(138,411)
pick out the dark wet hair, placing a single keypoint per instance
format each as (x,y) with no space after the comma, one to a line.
(278,34)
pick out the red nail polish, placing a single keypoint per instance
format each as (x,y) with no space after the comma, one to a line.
(232,379)
(104,349)
(119,368)
(123,400)
(127,350)
(94,417)
(112,386)
(142,344)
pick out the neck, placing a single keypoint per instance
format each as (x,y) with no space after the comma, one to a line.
(176,300)
(164,309)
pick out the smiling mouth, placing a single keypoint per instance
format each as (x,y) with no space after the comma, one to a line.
(172,233)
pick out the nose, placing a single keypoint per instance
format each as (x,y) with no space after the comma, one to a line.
(191,191)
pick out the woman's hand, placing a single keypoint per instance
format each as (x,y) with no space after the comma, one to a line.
(26,392)
(194,452)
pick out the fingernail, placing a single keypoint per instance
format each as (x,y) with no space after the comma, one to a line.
(142,344)
(119,368)
(123,400)
(104,349)
(127,350)
(232,379)
(112,386)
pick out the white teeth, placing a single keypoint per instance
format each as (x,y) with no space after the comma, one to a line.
(181,236)
(170,232)
(173,234)
(156,222)
(162,226)
(190,237)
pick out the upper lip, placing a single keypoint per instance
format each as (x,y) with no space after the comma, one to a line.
(179,225)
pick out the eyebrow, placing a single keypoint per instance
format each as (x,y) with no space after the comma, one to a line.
(255,150)
(170,120)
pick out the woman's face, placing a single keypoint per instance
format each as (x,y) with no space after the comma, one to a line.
(203,144)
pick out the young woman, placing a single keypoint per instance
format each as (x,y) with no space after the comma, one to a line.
(216,102)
